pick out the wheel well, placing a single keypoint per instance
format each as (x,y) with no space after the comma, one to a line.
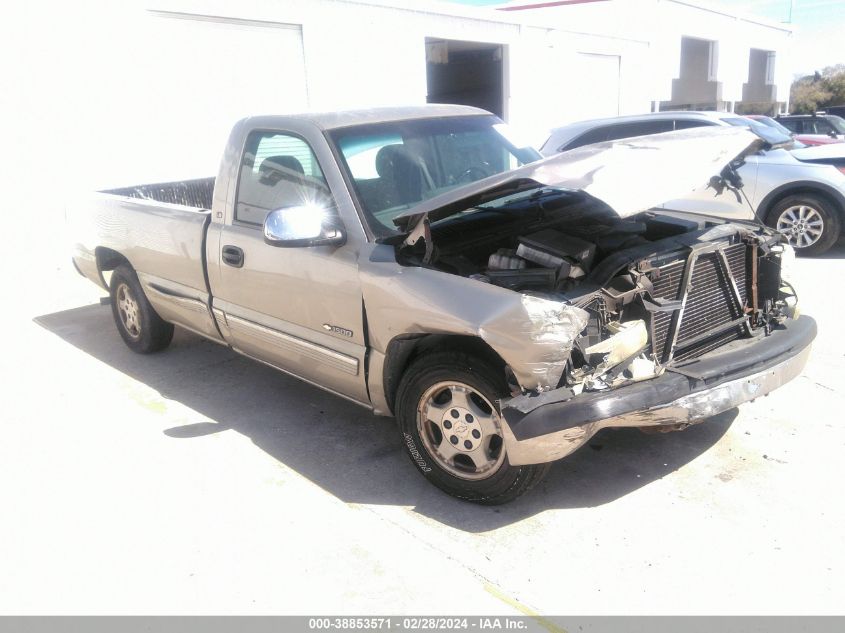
(108,259)
(402,351)
(774,198)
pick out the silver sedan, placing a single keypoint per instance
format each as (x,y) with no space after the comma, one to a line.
(800,192)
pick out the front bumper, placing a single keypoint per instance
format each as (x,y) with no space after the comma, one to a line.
(551,425)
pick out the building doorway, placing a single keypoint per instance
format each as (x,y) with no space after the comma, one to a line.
(466,73)
(697,87)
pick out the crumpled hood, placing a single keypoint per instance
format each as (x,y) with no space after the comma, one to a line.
(629,175)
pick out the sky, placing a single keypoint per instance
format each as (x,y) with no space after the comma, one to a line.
(819,27)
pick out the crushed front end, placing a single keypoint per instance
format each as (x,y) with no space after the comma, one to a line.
(673,338)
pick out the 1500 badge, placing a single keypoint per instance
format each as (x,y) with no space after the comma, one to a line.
(337,329)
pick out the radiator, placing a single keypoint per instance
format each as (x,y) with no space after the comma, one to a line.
(713,314)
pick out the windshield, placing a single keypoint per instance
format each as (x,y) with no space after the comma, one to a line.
(394,165)
(767,120)
(770,122)
(769,134)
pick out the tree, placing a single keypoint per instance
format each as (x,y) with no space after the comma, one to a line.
(834,80)
(819,90)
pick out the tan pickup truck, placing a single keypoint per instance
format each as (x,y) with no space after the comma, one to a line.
(423,264)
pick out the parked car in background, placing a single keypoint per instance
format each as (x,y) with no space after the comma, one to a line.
(832,155)
(801,194)
(767,120)
(800,140)
(815,129)
(836,110)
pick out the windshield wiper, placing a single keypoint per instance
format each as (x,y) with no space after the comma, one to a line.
(534,195)
(504,208)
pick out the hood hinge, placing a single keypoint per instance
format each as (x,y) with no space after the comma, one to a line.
(422,230)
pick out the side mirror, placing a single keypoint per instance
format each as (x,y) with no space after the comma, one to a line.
(832,134)
(307,225)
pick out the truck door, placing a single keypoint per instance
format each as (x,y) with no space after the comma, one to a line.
(298,309)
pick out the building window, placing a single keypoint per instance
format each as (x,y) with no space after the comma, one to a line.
(770,68)
(713,61)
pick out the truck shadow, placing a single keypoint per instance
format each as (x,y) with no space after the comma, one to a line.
(351,453)
(837,251)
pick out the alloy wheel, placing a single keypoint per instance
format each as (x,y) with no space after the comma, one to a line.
(802,224)
(461,429)
(127,308)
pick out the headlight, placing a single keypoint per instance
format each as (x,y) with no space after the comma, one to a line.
(787,275)
(626,340)
(787,263)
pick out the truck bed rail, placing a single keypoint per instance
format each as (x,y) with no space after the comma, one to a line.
(196,193)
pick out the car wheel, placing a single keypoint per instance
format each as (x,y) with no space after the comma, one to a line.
(809,222)
(452,430)
(139,325)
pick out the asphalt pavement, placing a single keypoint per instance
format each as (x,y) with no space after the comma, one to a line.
(196,481)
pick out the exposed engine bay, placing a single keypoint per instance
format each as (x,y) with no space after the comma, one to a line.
(660,288)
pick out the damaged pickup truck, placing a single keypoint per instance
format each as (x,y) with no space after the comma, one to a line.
(419,263)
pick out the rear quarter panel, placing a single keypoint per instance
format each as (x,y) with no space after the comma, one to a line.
(164,244)
(783,174)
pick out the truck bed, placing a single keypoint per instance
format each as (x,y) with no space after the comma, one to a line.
(160,230)
(189,193)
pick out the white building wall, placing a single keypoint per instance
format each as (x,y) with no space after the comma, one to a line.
(553,78)
(147,91)
(132,96)
(736,35)
(662,23)
(362,54)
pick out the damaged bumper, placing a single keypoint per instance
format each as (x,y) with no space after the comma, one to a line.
(551,425)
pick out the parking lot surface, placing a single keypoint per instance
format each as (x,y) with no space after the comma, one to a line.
(197,481)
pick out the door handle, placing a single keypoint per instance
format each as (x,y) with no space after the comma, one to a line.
(233,256)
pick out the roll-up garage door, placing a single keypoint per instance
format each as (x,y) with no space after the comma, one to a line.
(194,76)
(599,80)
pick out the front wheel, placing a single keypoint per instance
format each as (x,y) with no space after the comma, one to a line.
(138,324)
(809,222)
(452,430)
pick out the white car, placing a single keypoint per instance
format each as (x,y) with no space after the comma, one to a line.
(799,192)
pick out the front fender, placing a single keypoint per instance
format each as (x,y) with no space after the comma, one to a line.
(534,336)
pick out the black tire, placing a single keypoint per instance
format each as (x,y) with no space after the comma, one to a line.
(503,482)
(816,207)
(138,324)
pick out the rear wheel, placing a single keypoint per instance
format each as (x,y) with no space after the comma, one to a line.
(138,324)
(809,222)
(452,430)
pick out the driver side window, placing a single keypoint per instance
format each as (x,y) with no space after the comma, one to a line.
(277,170)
